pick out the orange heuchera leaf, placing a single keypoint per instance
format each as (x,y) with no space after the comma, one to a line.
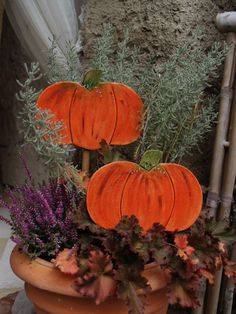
(169,194)
(99,288)
(179,293)
(181,241)
(98,281)
(230,269)
(185,251)
(209,276)
(66,261)
(110,112)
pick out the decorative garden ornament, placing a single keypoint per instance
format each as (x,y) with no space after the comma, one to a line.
(166,193)
(94,112)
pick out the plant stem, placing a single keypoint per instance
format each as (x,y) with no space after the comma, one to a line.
(85,160)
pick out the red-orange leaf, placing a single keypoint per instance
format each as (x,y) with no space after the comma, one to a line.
(66,261)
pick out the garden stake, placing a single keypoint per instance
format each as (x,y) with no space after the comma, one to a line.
(226,22)
(227,194)
(221,143)
(222,127)
(226,197)
(85,160)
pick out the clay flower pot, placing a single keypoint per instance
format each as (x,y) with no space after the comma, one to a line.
(51,292)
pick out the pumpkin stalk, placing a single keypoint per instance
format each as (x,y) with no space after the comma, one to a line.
(92,79)
(151,159)
(85,160)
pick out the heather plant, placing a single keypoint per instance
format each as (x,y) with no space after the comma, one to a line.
(42,218)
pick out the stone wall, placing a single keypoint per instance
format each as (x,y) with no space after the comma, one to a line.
(156,26)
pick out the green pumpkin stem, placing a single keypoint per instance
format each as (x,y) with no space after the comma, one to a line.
(92,79)
(151,159)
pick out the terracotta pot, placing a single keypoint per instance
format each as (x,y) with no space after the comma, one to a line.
(51,292)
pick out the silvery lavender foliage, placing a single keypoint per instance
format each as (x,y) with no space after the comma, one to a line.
(38,130)
(42,219)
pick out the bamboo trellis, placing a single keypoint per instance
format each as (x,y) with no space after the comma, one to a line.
(223,170)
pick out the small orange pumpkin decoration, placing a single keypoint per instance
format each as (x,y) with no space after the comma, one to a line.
(168,194)
(110,112)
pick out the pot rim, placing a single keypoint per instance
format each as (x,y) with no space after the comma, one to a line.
(44,275)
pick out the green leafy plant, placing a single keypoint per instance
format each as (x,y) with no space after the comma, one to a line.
(37,128)
(179,112)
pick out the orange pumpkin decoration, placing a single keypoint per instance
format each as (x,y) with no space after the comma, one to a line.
(168,194)
(110,112)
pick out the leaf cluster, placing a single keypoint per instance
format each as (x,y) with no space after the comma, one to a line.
(111,262)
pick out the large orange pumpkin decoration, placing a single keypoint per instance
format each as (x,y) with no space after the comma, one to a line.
(168,194)
(110,112)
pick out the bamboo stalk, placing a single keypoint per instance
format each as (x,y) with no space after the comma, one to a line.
(213,294)
(85,160)
(229,291)
(213,196)
(227,184)
(222,127)
(230,167)
(227,196)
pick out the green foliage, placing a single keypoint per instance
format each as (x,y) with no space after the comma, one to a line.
(178,111)
(38,131)
(60,69)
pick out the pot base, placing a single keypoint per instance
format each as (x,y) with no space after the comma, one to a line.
(52,303)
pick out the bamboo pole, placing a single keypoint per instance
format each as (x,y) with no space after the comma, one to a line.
(230,167)
(227,183)
(227,196)
(221,143)
(229,291)
(85,160)
(222,127)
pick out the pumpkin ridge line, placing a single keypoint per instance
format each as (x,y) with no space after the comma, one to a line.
(116,114)
(122,192)
(71,102)
(172,184)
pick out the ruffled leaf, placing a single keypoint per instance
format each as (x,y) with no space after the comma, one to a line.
(66,261)
(97,281)
(183,292)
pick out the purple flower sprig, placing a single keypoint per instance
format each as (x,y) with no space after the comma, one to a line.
(42,219)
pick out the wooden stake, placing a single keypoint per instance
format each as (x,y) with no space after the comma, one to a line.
(227,197)
(226,184)
(85,160)
(213,196)
(222,127)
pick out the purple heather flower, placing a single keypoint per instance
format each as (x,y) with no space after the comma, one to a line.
(42,218)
